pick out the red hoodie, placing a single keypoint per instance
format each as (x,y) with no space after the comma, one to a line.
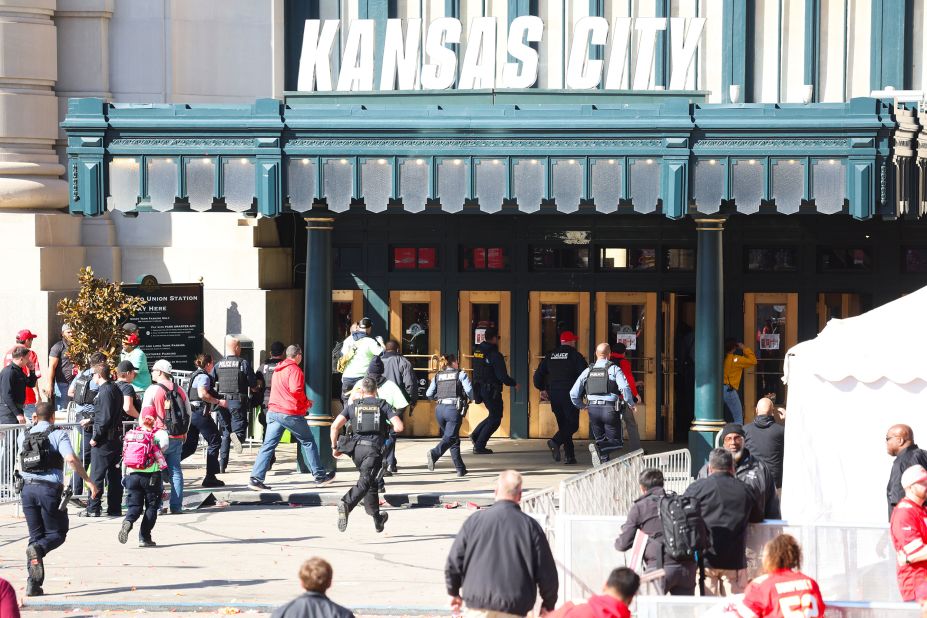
(625,364)
(288,390)
(600,606)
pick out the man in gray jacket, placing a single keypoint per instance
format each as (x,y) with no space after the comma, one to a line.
(316,577)
(397,369)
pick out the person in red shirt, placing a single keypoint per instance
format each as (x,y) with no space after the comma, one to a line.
(24,338)
(909,535)
(618,358)
(614,602)
(783,591)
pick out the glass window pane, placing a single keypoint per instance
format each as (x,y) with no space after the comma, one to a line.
(415,322)
(123,183)
(788,184)
(844,259)
(679,260)
(338,183)
(621,258)
(413,183)
(567,183)
(562,258)
(775,259)
(376,183)
(770,350)
(554,320)
(747,184)
(606,183)
(829,184)
(453,184)
(483,316)
(201,182)
(162,182)
(238,183)
(915,260)
(490,184)
(301,182)
(645,176)
(528,183)
(708,184)
(626,326)
(483,258)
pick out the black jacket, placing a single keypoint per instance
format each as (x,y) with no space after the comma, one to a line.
(760,478)
(727,506)
(107,417)
(13,384)
(501,559)
(497,364)
(312,605)
(397,368)
(645,516)
(910,456)
(765,439)
(546,377)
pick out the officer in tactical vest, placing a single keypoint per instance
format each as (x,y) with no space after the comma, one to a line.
(489,375)
(370,419)
(452,390)
(82,392)
(234,380)
(264,376)
(607,392)
(201,395)
(554,377)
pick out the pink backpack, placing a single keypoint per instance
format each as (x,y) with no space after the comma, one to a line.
(139,450)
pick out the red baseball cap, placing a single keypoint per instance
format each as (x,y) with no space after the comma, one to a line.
(133,339)
(567,336)
(25,335)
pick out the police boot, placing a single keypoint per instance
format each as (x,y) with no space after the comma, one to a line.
(379,521)
(342,516)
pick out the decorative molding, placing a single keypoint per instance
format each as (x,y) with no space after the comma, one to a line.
(767,143)
(137,142)
(883,183)
(541,144)
(75,175)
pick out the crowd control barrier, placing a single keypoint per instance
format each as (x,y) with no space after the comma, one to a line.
(9,455)
(694,607)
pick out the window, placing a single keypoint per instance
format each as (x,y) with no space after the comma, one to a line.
(771,260)
(679,260)
(624,258)
(483,258)
(561,258)
(415,258)
(915,260)
(831,259)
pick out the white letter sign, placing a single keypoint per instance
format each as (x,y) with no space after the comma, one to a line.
(315,61)
(357,64)
(440,72)
(683,45)
(479,64)
(400,57)
(647,27)
(524,27)
(582,72)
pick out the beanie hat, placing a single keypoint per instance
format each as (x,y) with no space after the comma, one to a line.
(732,428)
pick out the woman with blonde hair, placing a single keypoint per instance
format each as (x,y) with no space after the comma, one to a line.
(783,591)
(452,390)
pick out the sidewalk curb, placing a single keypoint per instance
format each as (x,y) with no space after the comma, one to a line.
(317,498)
(160,606)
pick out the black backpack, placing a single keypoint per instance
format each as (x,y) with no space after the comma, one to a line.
(684,530)
(83,395)
(176,415)
(37,455)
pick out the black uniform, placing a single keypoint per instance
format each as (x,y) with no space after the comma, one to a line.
(201,424)
(234,379)
(13,384)
(451,389)
(264,376)
(368,420)
(106,455)
(906,458)
(556,374)
(489,375)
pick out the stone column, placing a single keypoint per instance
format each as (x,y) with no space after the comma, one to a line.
(318,331)
(29,167)
(709,325)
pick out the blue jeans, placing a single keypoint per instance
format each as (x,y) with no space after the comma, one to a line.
(277,423)
(61,395)
(173,473)
(732,401)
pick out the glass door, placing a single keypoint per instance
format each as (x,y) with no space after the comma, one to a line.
(347,308)
(770,328)
(630,318)
(479,311)
(678,365)
(551,313)
(415,322)
(841,306)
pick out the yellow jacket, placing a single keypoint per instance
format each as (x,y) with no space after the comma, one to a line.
(734,365)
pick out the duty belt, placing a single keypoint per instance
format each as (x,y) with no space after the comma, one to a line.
(451,401)
(372,441)
(601,402)
(52,484)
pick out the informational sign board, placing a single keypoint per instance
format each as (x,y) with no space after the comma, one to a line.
(479,336)
(171,322)
(769,341)
(628,339)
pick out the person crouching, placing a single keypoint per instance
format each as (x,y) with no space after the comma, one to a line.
(142,453)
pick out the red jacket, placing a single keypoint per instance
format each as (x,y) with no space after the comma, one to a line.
(288,390)
(625,365)
(600,606)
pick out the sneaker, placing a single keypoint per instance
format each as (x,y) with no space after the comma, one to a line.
(554,450)
(236,443)
(34,565)
(33,589)
(146,543)
(429,461)
(124,532)
(212,481)
(387,472)
(114,513)
(326,480)
(381,487)
(258,485)
(569,461)
(379,522)
(482,451)
(462,473)
(342,516)
(594,452)
(393,468)
(89,514)
(177,511)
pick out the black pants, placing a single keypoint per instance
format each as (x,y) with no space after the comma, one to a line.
(105,469)
(567,420)
(449,423)
(369,460)
(201,423)
(492,399)
(77,483)
(346,385)
(679,579)
(605,424)
(233,419)
(389,452)
(143,499)
(48,527)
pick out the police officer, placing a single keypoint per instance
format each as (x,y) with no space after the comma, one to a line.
(606,390)
(201,394)
(82,392)
(451,389)
(234,380)
(489,374)
(370,419)
(106,443)
(554,377)
(264,376)
(41,465)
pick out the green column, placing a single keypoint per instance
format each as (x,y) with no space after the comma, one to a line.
(709,322)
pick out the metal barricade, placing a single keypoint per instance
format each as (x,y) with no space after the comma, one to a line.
(606,490)
(9,455)
(676,467)
(542,505)
(695,607)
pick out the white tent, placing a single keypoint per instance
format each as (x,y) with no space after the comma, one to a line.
(846,387)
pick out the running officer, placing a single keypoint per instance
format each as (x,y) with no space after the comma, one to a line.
(554,377)
(489,375)
(452,390)
(606,389)
(201,394)
(234,380)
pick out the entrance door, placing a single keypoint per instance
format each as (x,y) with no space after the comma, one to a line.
(678,365)
(347,308)
(631,318)
(770,328)
(415,322)
(551,313)
(479,311)
(840,305)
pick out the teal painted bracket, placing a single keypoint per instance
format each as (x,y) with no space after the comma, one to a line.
(861,188)
(675,187)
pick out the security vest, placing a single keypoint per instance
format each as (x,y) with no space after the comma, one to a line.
(482,368)
(599,382)
(367,415)
(448,386)
(561,369)
(37,455)
(193,394)
(267,370)
(231,381)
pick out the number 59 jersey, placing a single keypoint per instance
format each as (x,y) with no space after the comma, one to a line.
(782,594)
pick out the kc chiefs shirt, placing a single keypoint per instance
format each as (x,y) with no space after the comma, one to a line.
(909,533)
(782,594)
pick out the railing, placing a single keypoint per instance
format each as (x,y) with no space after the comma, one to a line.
(695,607)
(542,505)
(676,467)
(9,455)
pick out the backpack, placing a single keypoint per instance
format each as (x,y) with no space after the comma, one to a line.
(684,530)
(176,414)
(37,455)
(82,393)
(344,358)
(138,449)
